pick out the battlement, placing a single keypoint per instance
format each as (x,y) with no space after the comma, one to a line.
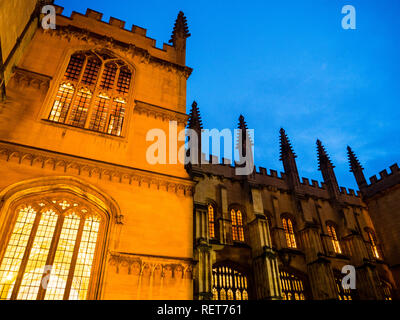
(92,21)
(268,177)
(385,181)
(385,175)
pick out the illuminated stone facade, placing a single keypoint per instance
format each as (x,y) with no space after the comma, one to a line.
(295,236)
(84,215)
(73,126)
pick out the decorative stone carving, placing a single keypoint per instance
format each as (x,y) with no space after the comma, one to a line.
(92,168)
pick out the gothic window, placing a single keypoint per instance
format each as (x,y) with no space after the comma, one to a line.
(50,251)
(93,93)
(237,225)
(387,291)
(211,221)
(372,242)
(229,284)
(343,294)
(289,232)
(333,235)
(292,286)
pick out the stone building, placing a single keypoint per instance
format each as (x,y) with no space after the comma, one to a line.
(19,20)
(84,214)
(76,190)
(382,197)
(270,236)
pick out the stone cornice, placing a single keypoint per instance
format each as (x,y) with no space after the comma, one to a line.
(78,166)
(159,112)
(69,32)
(136,263)
(30,78)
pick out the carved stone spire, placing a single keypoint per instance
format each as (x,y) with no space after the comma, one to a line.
(356,168)
(288,157)
(326,167)
(244,142)
(195,123)
(179,36)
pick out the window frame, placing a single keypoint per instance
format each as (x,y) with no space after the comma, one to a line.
(29,200)
(332,228)
(373,244)
(213,222)
(233,271)
(289,274)
(237,209)
(290,235)
(60,78)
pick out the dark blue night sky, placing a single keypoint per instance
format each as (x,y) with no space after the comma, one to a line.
(288,63)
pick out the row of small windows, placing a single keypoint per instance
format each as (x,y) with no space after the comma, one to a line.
(236,220)
(292,287)
(343,294)
(229,284)
(93,93)
(49,253)
(289,233)
(288,227)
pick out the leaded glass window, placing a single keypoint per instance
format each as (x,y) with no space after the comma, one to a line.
(289,232)
(229,284)
(93,93)
(292,286)
(237,225)
(50,252)
(334,238)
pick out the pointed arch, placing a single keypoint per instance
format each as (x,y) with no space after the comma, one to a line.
(93,91)
(65,225)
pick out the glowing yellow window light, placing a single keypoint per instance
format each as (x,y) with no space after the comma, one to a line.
(49,255)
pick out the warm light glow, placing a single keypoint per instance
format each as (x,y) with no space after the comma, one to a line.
(335,242)
(229,284)
(106,81)
(37,252)
(15,251)
(292,287)
(289,233)
(343,294)
(237,225)
(211,223)
(374,247)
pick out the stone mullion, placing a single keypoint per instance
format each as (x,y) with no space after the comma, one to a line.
(25,258)
(77,85)
(96,91)
(51,255)
(74,259)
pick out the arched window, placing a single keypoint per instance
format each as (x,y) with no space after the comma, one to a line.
(333,235)
(372,242)
(93,93)
(292,286)
(211,221)
(289,233)
(387,290)
(343,294)
(237,225)
(229,284)
(50,251)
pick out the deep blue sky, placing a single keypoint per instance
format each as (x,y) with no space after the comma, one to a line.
(288,63)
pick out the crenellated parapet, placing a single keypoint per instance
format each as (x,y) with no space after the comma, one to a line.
(385,181)
(271,179)
(91,27)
